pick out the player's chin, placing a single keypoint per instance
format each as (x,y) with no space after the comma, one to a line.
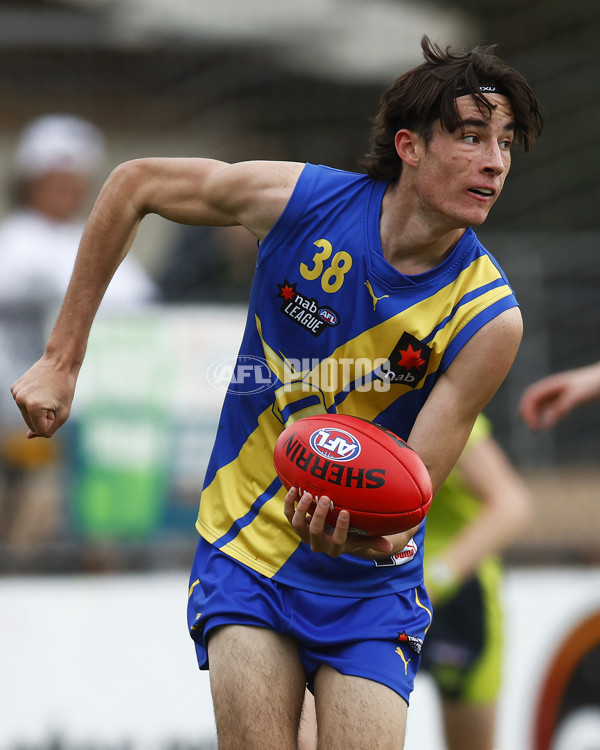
(473,213)
(468,218)
(475,218)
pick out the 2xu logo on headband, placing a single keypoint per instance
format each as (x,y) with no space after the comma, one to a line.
(484,88)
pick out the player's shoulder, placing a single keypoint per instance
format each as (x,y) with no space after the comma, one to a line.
(507,325)
(287,174)
(334,175)
(326,185)
(255,192)
(483,362)
(499,338)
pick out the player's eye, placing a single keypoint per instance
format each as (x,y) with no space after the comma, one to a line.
(506,144)
(472,139)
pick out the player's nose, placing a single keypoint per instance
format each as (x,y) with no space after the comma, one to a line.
(496,160)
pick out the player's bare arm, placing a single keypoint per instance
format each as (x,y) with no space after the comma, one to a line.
(193,191)
(208,192)
(444,424)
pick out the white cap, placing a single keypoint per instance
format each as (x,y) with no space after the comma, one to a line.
(59,143)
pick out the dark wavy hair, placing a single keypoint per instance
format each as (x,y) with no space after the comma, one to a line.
(427,93)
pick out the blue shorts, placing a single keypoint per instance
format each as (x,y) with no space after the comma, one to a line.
(379,638)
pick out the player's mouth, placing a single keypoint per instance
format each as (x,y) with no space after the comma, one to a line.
(484,193)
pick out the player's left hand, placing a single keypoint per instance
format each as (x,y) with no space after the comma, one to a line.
(336,541)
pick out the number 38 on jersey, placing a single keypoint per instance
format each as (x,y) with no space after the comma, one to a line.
(330,268)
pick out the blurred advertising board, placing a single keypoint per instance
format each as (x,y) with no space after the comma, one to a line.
(144,418)
(105,663)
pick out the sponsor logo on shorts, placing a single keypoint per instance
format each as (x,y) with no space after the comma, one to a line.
(196,623)
(405,555)
(405,661)
(408,362)
(411,640)
(305,311)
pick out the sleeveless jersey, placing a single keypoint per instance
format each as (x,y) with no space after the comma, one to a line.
(333,327)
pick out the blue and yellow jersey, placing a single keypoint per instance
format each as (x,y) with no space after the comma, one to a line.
(333,327)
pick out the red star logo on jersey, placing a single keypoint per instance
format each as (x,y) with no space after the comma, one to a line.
(411,358)
(287,290)
(407,363)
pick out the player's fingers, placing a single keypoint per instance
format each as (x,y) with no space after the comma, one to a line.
(339,535)
(324,537)
(25,415)
(319,530)
(45,423)
(380,545)
(317,523)
(289,504)
(297,512)
(370,547)
(40,419)
(41,422)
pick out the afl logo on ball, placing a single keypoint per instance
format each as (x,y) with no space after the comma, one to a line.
(337,445)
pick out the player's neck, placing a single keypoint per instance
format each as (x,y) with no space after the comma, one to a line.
(413,240)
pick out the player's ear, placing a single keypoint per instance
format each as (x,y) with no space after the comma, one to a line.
(407,144)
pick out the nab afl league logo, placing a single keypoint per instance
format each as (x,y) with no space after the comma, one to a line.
(337,445)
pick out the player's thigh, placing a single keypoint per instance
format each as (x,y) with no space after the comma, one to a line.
(354,713)
(307,732)
(257,683)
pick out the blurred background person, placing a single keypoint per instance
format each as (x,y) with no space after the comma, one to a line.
(481,509)
(56,162)
(547,401)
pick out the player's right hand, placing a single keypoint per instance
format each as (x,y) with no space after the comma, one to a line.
(314,530)
(44,395)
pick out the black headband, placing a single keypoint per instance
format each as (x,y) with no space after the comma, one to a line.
(484,88)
